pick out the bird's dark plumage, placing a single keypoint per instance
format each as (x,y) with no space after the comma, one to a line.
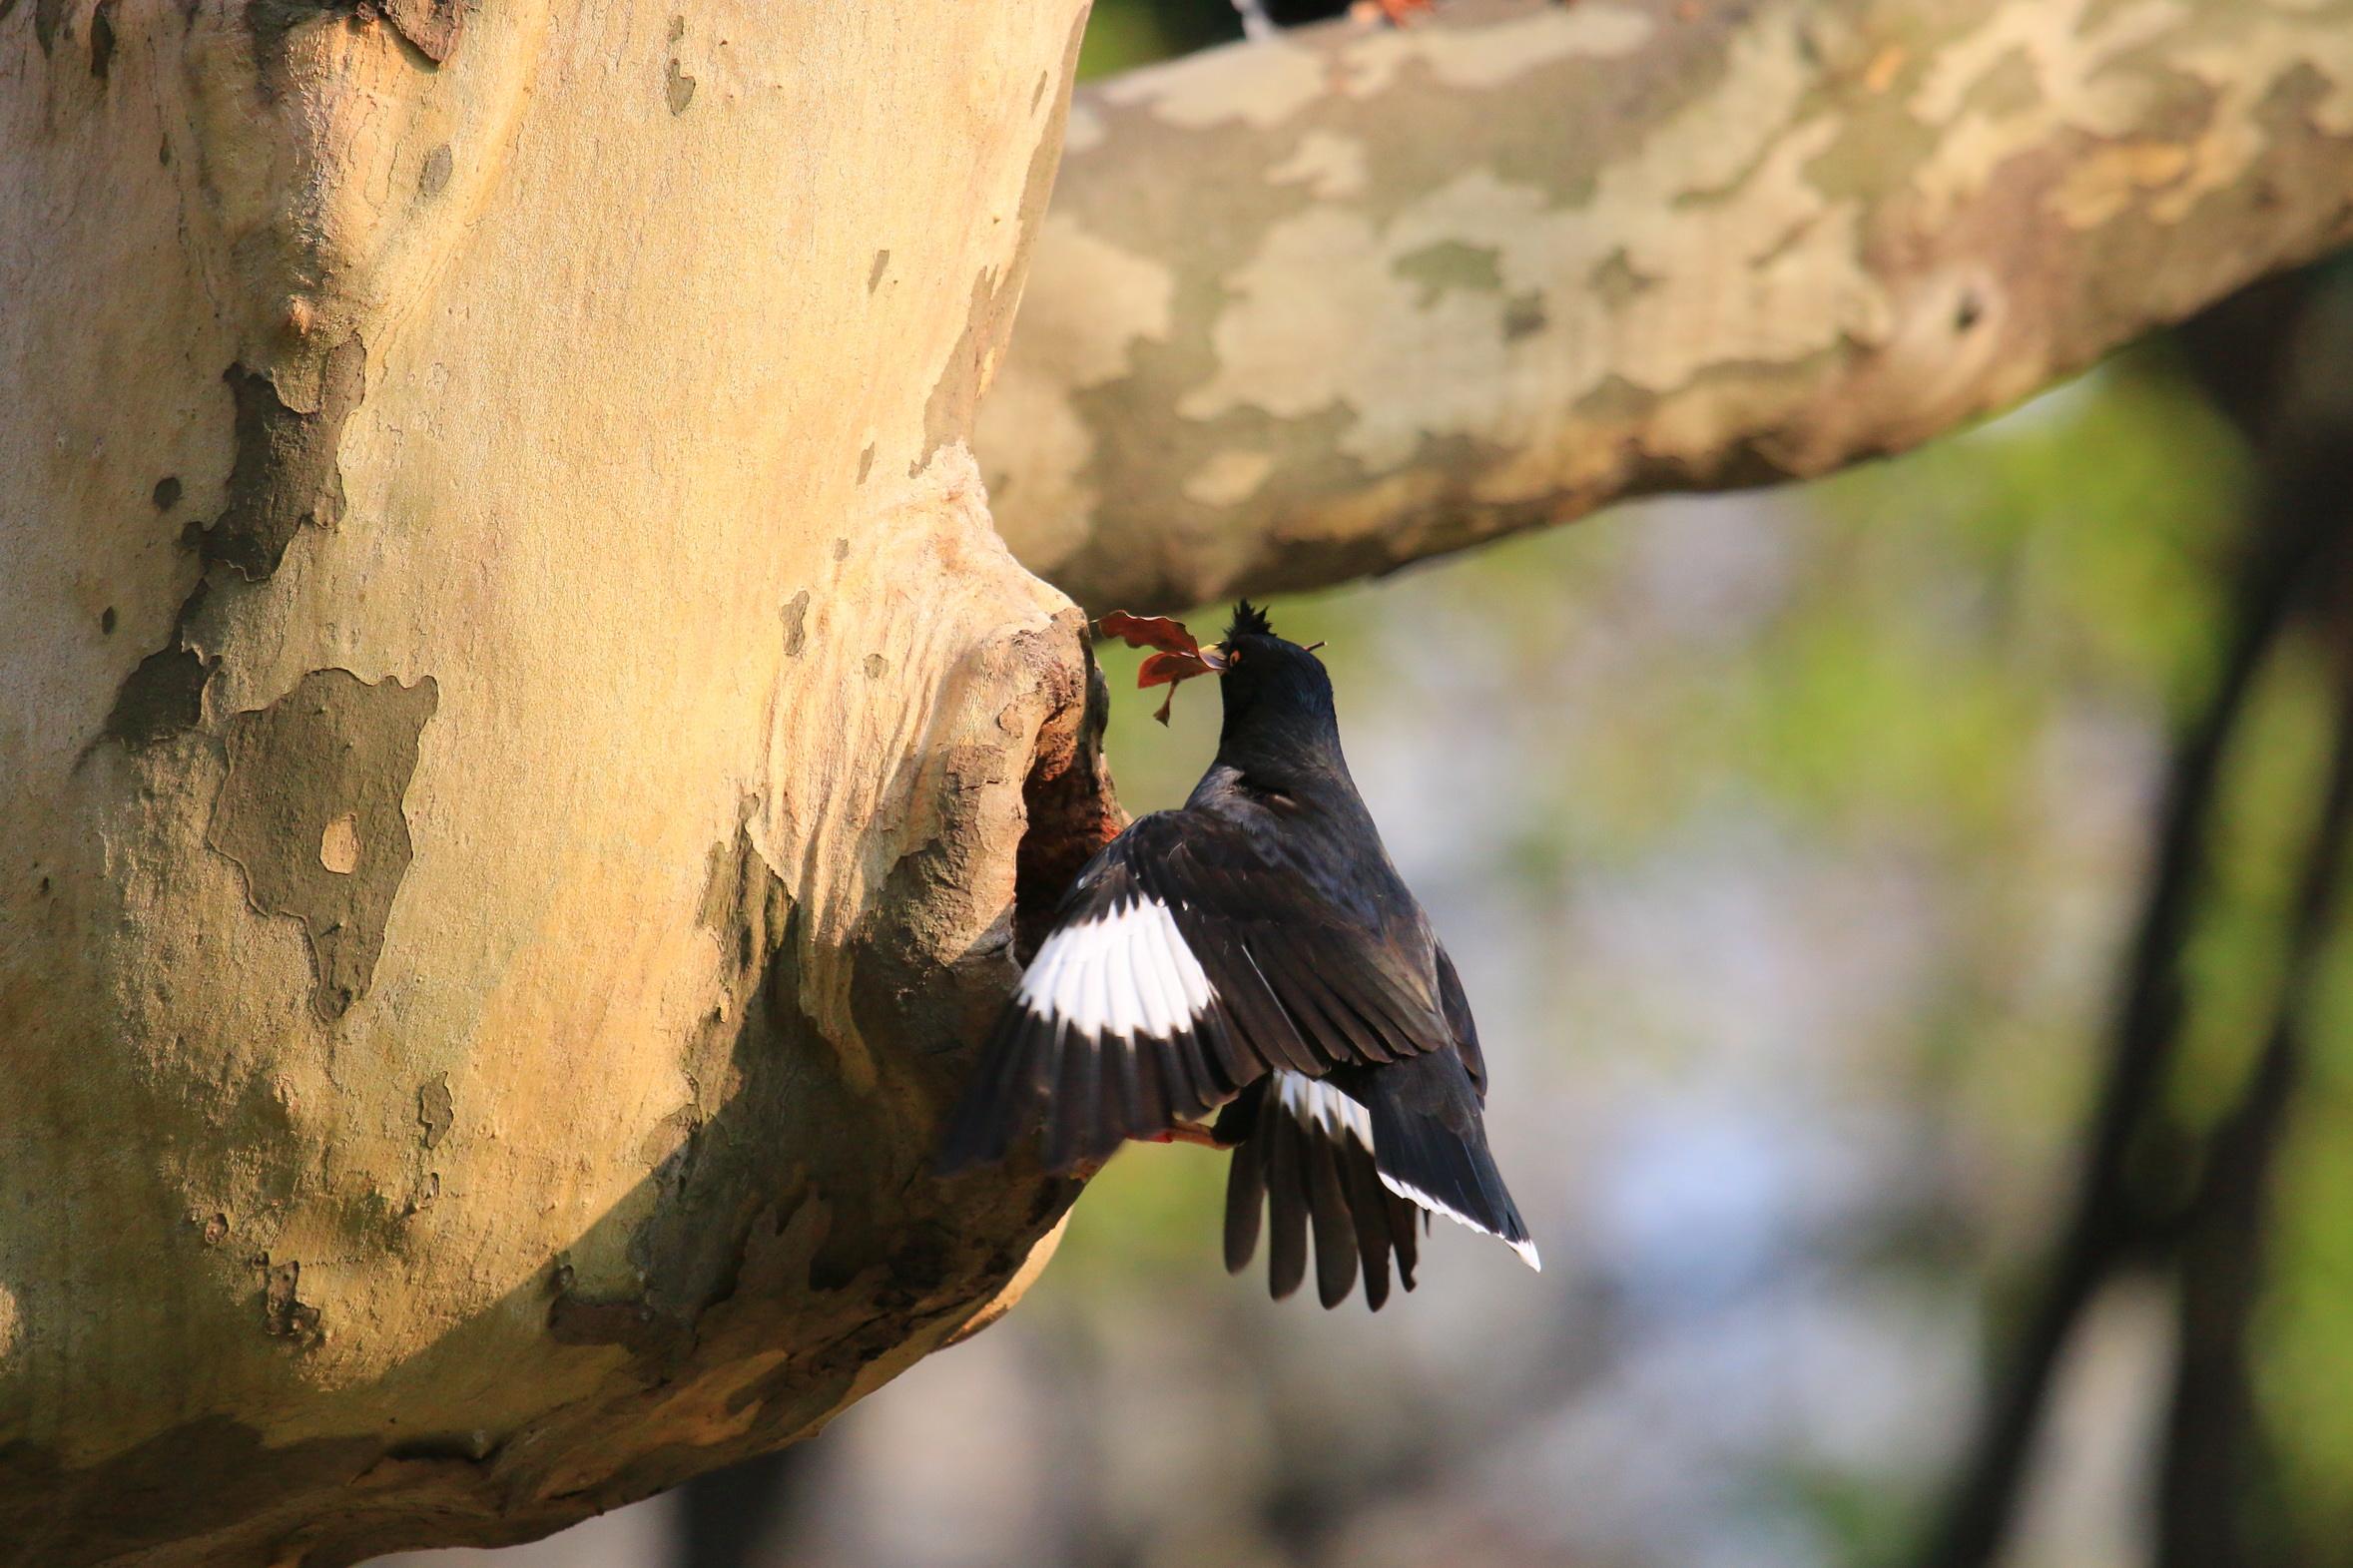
(1255,950)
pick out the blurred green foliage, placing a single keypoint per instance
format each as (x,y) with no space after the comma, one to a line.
(1968,661)
(1124,33)
(1934,644)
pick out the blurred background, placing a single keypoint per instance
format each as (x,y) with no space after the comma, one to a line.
(1900,913)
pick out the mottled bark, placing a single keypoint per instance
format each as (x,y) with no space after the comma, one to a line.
(516,740)
(1308,309)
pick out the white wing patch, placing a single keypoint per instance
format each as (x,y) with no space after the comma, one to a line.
(1126,973)
(1317,1103)
(1414,1195)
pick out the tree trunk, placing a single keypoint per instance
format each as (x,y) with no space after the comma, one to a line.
(516,742)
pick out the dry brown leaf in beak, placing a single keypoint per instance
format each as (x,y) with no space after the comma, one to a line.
(1178,656)
(1148,630)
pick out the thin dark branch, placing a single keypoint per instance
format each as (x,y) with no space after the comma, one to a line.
(2111,1223)
(2213,1476)
(744,1516)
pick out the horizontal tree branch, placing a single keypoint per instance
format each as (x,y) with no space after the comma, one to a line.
(1316,307)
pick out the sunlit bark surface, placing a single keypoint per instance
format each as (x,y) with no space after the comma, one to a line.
(515,746)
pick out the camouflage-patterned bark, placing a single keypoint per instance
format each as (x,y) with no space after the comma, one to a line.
(1309,310)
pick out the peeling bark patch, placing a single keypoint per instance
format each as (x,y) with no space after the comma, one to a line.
(435,176)
(166,494)
(286,472)
(1523,316)
(876,667)
(165,694)
(48,17)
(339,844)
(422,1196)
(797,623)
(106,622)
(865,462)
(1615,283)
(435,1110)
(881,266)
(742,893)
(334,747)
(102,39)
(430,26)
(1450,263)
(284,1314)
(164,697)
(680,89)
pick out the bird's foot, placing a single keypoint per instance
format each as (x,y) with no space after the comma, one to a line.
(1188,1133)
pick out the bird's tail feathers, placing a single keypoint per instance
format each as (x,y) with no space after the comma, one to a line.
(1432,1150)
(1302,1156)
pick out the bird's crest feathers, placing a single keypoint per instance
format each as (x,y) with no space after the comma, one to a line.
(1249,621)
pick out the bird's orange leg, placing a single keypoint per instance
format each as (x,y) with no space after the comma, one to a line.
(1186,1132)
(1398,12)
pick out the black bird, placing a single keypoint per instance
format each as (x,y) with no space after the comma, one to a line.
(1255,951)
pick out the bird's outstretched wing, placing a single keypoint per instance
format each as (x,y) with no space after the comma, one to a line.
(1183,965)
(1456,1009)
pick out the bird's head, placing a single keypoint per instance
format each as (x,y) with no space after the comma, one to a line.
(1267,679)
